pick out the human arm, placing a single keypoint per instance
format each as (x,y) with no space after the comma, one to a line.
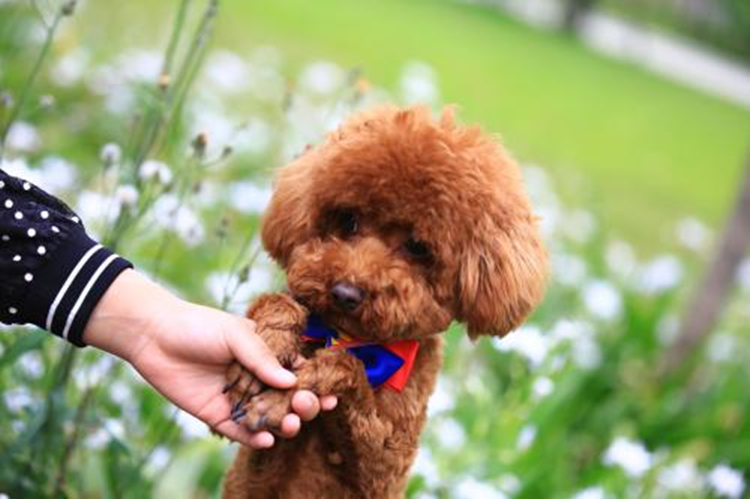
(55,276)
(183,350)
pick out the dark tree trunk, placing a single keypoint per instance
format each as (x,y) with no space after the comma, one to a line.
(706,305)
(573,13)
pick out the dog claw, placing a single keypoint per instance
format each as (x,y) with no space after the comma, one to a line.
(259,424)
(238,415)
(229,385)
(236,406)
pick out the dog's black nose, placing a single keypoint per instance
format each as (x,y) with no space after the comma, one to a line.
(347,296)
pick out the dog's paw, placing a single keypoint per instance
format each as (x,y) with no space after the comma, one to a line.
(241,386)
(265,411)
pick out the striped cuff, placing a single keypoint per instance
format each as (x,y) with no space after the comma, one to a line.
(70,286)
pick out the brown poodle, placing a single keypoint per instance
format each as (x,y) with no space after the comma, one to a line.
(393,227)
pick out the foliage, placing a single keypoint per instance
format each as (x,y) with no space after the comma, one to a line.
(167,157)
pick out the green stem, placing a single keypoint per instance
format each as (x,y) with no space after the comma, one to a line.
(175,37)
(15,113)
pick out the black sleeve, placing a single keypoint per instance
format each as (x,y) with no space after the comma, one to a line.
(51,273)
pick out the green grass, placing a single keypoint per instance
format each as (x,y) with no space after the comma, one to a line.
(642,150)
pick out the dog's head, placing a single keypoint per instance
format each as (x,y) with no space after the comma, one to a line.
(398,224)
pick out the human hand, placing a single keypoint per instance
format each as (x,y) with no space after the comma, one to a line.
(183,350)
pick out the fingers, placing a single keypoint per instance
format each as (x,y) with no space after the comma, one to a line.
(240,434)
(257,358)
(306,405)
(290,426)
(328,402)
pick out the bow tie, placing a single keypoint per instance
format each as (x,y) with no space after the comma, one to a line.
(385,364)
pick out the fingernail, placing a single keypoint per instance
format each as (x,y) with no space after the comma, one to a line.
(287,377)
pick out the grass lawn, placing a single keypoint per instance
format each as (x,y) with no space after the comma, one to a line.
(639,149)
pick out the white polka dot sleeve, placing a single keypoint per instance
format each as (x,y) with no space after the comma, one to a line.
(51,273)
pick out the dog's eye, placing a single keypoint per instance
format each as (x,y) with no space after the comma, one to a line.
(417,248)
(347,224)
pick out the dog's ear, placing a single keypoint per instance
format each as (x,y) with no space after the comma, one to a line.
(287,221)
(502,275)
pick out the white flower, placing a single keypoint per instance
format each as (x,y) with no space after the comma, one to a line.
(253,138)
(602,300)
(191,426)
(590,493)
(97,439)
(54,174)
(526,437)
(693,234)
(94,207)
(419,83)
(722,347)
(152,169)
(450,433)
(660,275)
(510,484)
(247,197)
(443,398)
(579,225)
(93,373)
(527,341)
(542,387)
(322,78)
(17,398)
(549,216)
(115,428)
(165,175)
(127,195)
(539,186)
(227,72)
(586,353)
(726,482)
(568,270)
(169,214)
(31,364)
(23,137)
(682,476)
(424,465)
(149,169)
(119,392)
(140,65)
(621,259)
(188,226)
(631,456)
(220,283)
(159,458)
(110,154)
(57,174)
(69,68)
(471,488)
(219,130)
(584,349)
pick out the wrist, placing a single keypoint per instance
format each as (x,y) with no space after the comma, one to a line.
(126,318)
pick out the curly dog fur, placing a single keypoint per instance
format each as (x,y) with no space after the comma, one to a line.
(423,222)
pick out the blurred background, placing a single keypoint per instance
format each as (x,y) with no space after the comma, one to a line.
(161,123)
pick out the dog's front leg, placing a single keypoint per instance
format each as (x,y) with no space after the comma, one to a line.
(356,435)
(279,321)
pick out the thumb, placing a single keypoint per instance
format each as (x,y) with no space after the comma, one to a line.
(255,356)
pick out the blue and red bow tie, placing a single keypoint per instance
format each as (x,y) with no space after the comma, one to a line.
(385,364)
